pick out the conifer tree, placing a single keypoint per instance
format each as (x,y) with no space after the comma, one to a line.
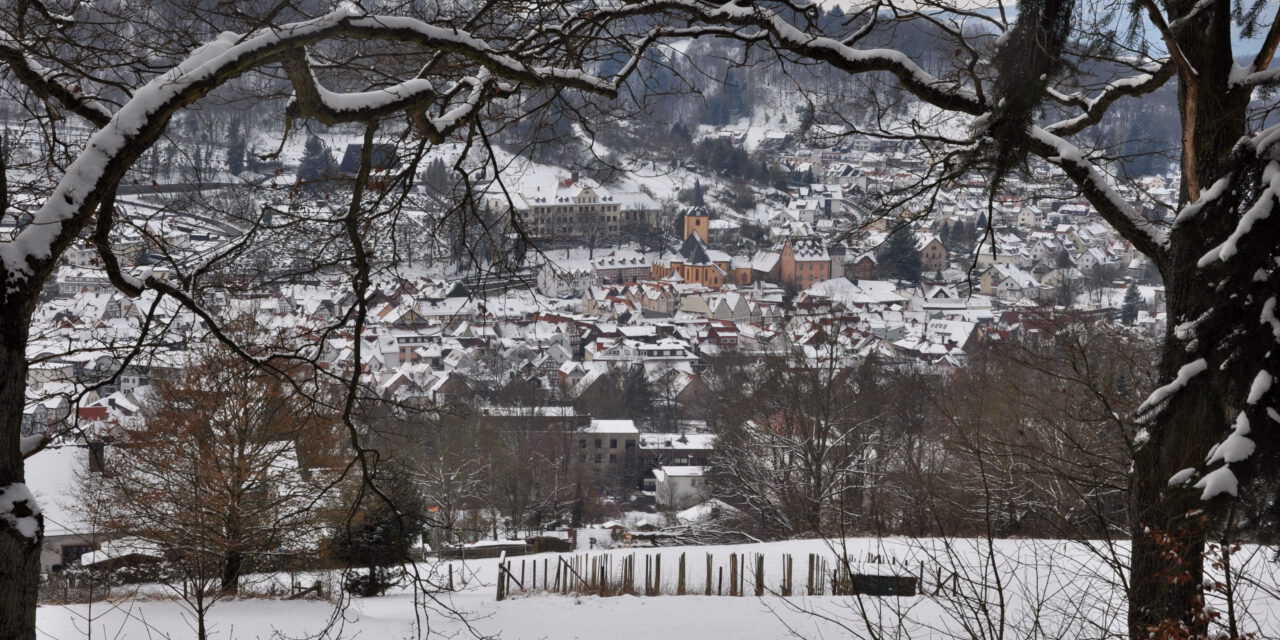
(317,163)
(236,147)
(697,199)
(1129,308)
(899,256)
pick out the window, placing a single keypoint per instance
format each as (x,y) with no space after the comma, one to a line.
(582,457)
(599,443)
(71,552)
(613,457)
(631,444)
(599,458)
(582,443)
(613,443)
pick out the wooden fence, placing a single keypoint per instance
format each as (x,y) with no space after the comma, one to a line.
(739,574)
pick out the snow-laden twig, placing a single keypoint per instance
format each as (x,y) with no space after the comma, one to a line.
(946,94)
(1207,197)
(112,149)
(1261,210)
(48,84)
(1217,482)
(1147,237)
(1261,385)
(1162,394)
(1155,74)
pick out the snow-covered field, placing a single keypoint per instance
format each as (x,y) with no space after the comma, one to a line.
(1057,589)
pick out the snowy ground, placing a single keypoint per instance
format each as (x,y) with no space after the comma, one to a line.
(1057,588)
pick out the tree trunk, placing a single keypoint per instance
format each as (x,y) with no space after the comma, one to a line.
(231,566)
(19,554)
(1170,524)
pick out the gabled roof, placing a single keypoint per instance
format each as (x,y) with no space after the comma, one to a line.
(693,251)
(807,248)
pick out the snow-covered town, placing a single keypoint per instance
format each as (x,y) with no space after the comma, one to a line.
(750,320)
(808,273)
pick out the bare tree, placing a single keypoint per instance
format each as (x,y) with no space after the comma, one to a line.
(101,85)
(209,477)
(794,443)
(1017,90)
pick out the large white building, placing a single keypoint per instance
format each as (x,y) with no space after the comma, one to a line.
(574,208)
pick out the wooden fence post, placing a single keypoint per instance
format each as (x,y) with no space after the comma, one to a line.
(707,588)
(809,585)
(733,574)
(759,574)
(680,577)
(501,560)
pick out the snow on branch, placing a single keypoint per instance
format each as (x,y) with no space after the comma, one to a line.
(1237,447)
(1268,317)
(31,445)
(130,131)
(1261,210)
(1149,238)
(46,84)
(1162,394)
(1207,196)
(1261,385)
(450,39)
(946,94)
(1248,77)
(1217,482)
(1155,75)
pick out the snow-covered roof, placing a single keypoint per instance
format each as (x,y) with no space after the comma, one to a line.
(611,426)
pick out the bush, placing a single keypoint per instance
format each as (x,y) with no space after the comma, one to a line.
(367,585)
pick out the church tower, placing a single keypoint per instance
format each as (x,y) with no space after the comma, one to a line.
(697,220)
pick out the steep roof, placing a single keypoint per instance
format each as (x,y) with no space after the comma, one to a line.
(808,248)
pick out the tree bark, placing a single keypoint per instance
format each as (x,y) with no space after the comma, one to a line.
(19,554)
(1170,524)
(231,566)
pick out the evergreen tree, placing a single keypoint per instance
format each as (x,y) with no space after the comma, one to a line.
(379,536)
(697,199)
(681,132)
(899,256)
(1063,260)
(437,176)
(317,164)
(806,118)
(1129,308)
(236,147)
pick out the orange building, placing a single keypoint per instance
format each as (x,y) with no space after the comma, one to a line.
(804,262)
(696,263)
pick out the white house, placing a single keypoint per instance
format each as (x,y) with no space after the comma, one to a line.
(679,487)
